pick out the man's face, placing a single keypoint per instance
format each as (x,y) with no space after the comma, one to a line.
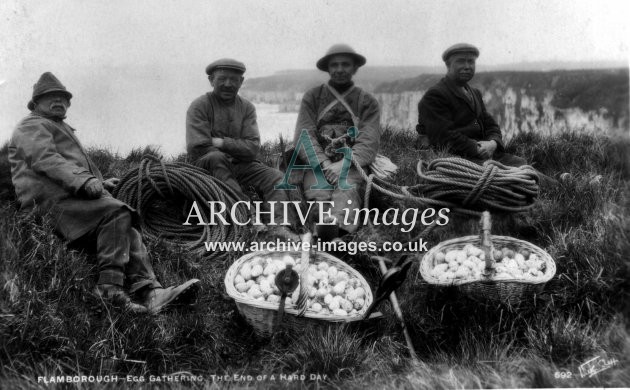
(461,67)
(53,104)
(226,83)
(341,68)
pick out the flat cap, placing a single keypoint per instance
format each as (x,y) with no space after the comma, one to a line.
(460,48)
(340,48)
(226,63)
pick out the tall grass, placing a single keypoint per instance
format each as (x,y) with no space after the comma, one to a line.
(51,324)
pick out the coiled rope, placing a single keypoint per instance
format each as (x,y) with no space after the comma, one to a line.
(163,194)
(463,186)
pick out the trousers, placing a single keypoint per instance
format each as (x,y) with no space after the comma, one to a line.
(238,174)
(121,255)
(345,201)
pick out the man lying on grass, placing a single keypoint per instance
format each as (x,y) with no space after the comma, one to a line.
(52,174)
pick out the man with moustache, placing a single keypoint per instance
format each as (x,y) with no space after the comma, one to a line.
(53,175)
(222,137)
(338,115)
(452,114)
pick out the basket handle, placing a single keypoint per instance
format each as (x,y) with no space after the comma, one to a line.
(486,242)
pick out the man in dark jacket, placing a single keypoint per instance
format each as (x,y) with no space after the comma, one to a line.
(451,114)
(53,174)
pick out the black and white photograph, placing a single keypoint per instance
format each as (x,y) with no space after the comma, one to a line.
(351,194)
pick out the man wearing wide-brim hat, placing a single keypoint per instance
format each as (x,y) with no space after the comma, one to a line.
(335,115)
(53,174)
(222,137)
(452,114)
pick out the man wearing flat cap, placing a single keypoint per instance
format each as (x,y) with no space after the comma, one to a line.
(338,115)
(452,114)
(222,137)
(53,175)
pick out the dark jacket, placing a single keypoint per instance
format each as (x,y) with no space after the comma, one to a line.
(449,119)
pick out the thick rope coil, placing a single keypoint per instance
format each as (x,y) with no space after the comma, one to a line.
(163,194)
(463,186)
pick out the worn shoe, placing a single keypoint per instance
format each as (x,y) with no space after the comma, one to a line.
(117,297)
(157,299)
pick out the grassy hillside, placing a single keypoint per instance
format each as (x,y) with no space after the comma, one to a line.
(51,324)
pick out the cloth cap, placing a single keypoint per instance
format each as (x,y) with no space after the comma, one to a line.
(340,48)
(459,48)
(225,63)
(47,83)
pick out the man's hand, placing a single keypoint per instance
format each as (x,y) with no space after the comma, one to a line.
(111,183)
(217,142)
(486,148)
(332,171)
(93,188)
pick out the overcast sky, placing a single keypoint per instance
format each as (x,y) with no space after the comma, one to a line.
(65,35)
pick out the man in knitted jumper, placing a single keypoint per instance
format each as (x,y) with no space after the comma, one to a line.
(222,137)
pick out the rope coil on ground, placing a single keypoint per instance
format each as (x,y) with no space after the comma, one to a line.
(163,194)
(463,186)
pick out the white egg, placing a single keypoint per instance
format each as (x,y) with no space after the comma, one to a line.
(339,288)
(339,312)
(322,266)
(257,270)
(239,279)
(451,256)
(273,298)
(246,271)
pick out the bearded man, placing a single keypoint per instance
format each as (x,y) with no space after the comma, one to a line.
(53,175)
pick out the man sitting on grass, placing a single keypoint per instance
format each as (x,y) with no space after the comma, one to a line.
(452,113)
(53,174)
(222,137)
(333,117)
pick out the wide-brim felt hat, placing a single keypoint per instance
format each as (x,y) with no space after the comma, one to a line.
(459,48)
(340,48)
(47,83)
(226,63)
